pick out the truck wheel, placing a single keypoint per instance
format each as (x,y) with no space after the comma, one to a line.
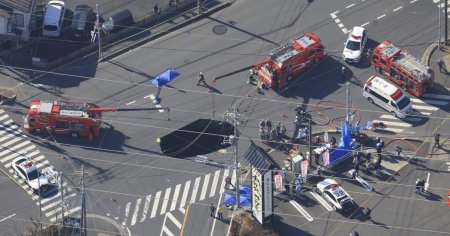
(38,131)
(394,114)
(377,69)
(370,100)
(74,134)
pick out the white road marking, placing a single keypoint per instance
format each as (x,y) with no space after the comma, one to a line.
(365,24)
(148,96)
(205,187)
(195,189)
(212,192)
(221,184)
(174,220)
(413,1)
(420,113)
(4,117)
(432,95)
(433,102)
(165,201)
(155,204)
(131,103)
(127,212)
(408,118)
(166,230)
(337,21)
(146,204)
(428,108)
(334,13)
(398,8)
(182,210)
(393,130)
(29,148)
(7,217)
(10,141)
(436,1)
(185,194)
(351,5)
(321,200)
(345,30)
(401,124)
(301,210)
(175,197)
(41,164)
(45,200)
(136,211)
(340,25)
(381,16)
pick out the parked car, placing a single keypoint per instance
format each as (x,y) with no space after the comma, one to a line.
(336,195)
(26,170)
(54,18)
(355,44)
(116,21)
(82,21)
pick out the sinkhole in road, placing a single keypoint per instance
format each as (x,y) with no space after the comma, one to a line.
(200,137)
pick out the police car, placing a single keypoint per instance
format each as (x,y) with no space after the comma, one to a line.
(355,44)
(336,195)
(26,170)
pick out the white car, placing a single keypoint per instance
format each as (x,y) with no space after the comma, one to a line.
(54,18)
(336,195)
(355,44)
(24,167)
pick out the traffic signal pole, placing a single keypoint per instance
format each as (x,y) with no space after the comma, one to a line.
(445,22)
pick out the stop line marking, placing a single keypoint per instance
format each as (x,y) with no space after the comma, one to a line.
(321,200)
(301,210)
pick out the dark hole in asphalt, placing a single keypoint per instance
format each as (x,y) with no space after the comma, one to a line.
(219,29)
(200,137)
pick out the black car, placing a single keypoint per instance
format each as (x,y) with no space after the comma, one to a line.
(82,21)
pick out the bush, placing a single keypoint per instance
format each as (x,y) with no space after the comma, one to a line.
(244,225)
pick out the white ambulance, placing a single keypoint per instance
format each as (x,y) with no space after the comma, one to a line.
(387,96)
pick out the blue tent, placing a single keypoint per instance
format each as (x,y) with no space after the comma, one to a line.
(165,77)
(344,144)
(245,196)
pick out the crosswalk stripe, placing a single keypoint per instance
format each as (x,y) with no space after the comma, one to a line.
(15,140)
(301,210)
(225,175)
(174,220)
(195,189)
(21,152)
(432,95)
(185,193)
(146,204)
(321,201)
(427,108)
(30,155)
(155,204)
(4,117)
(8,132)
(212,192)
(136,211)
(400,124)
(175,197)
(436,1)
(45,200)
(393,130)
(16,147)
(39,158)
(41,164)
(420,113)
(408,118)
(205,187)
(10,157)
(432,102)
(1,111)
(166,230)
(165,200)
(55,203)
(127,212)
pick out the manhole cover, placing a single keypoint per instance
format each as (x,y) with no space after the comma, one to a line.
(219,29)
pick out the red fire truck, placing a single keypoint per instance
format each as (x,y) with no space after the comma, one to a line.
(402,68)
(68,118)
(282,64)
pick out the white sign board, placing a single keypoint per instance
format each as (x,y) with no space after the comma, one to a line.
(305,164)
(278,181)
(268,191)
(257,195)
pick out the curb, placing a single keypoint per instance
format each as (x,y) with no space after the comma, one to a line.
(428,52)
(115,224)
(165,32)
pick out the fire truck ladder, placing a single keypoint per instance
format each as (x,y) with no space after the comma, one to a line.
(417,68)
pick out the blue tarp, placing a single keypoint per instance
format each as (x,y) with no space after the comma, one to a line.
(245,196)
(344,144)
(165,77)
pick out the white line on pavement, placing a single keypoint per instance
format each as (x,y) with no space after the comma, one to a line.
(127,212)
(393,130)
(174,220)
(205,187)
(401,124)
(413,1)
(146,204)
(398,8)
(155,204)
(334,13)
(381,16)
(131,103)
(337,21)
(166,200)
(136,211)
(301,210)
(365,24)
(195,189)
(7,217)
(428,108)
(351,5)
(432,102)
(212,192)
(185,194)
(175,197)
(165,229)
(408,118)
(340,25)
(321,200)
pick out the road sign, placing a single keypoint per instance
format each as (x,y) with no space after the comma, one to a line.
(278,178)
(304,166)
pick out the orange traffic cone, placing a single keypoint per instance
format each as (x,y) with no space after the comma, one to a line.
(113,200)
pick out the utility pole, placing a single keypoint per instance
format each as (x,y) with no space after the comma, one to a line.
(446,21)
(236,163)
(439,19)
(83,204)
(309,140)
(62,196)
(40,206)
(98,29)
(347,97)
(199,10)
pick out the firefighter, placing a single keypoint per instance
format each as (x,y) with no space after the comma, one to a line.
(201,79)
(156,8)
(436,140)
(343,73)
(398,149)
(269,124)
(441,65)
(250,80)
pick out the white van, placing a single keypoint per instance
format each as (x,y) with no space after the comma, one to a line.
(54,18)
(387,96)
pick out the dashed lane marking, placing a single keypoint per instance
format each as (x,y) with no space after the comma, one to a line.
(301,210)
(413,1)
(381,16)
(398,8)
(131,103)
(365,24)
(351,5)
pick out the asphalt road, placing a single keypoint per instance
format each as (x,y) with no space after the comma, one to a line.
(125,162)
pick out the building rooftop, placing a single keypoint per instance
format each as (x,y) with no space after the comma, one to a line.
(21,5)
